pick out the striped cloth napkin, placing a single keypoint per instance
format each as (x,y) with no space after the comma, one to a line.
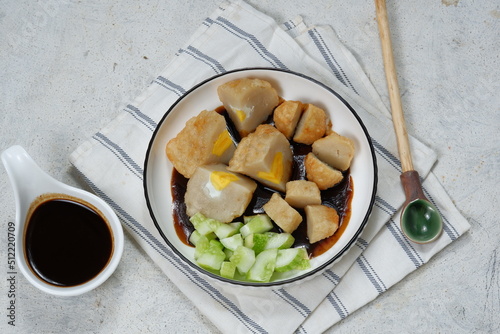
(236,36)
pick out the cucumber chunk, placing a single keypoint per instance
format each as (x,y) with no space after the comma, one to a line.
(211,257)
(228,253)
(232,242)
(279,240)
(202,244)
(237,226)
(264,266)
(246,219)
(246,251)
(243,258)
(194,237)
(292,259)
(203,224)
(211,236)
(226,230)
(217,244)
(257,242)
(227,269)
(256,224)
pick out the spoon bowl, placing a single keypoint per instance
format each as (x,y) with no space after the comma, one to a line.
(420,219)
(32,186)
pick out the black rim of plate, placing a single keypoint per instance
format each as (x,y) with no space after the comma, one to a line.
(307,274)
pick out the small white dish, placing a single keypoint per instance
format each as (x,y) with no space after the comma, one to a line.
(32,185)
(290,86)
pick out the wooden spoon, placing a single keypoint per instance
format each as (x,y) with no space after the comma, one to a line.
(420,220)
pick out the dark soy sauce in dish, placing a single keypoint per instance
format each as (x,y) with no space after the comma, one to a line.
(67,242)
(338,197)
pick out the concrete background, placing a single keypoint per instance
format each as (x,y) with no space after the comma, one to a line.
(67,68)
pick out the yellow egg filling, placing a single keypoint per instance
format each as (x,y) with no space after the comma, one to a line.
(222,143)
(275,175)
(221,180)
(241,115)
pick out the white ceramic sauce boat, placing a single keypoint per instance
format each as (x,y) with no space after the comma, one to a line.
(29,182)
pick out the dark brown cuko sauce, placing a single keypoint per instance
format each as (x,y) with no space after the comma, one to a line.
(338,197)
(67,243)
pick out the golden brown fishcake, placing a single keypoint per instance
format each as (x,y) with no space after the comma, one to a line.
(312,125)
(264,155)
(300,193)
(218,193)
(286,217)
(322,222)
(321,173)
(248,102)
(203,140)
(286,116)
(334,149)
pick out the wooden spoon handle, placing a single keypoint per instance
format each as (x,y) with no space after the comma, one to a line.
(392,85)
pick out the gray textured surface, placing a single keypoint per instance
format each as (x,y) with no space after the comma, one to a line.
(69,66)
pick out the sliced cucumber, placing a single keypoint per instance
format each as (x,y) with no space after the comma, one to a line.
(232,242)
(216,243)
(243,258)
(202,244)
(246,219)
(237,226)
(211,257)
(257,242)
(256,224)
(279,240)
(203,224)
(248,251)
(228,253)
(226,230)
(292,259)
(264,266)
(194,237)
(227,269)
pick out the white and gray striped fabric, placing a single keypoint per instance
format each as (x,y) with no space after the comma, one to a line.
(237,36)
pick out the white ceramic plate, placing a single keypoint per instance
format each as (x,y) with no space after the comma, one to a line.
(290,86)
